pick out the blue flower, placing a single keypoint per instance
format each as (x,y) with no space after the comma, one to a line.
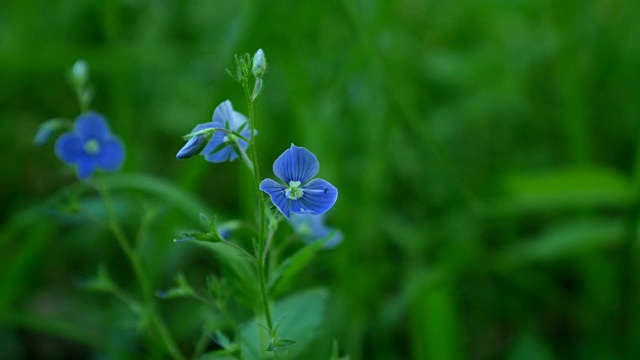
(312,228)
(220,146)
(296,167)
(90,146)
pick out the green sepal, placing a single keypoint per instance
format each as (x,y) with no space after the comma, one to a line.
(276,344)
(183,289)
(101,282)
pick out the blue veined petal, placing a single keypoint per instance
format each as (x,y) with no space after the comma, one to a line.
(69,148)
(318,197)
(111,155)
(92,126)
(221,155)
(276,192)
(296,164)
(237,121)
(85,167)
(223,113)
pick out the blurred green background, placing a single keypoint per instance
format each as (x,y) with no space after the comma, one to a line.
(486,154)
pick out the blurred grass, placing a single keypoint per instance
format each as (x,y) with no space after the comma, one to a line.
(486,154)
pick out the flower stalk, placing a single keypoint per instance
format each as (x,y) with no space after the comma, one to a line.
(141,276)
(261,256)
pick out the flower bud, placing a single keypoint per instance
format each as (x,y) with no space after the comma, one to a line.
(259,64)
(48,129)
(192,147)
(80,73)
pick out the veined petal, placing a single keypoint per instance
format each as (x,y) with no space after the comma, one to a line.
(91,125)
(223,113)
(318,197)
(296,164)
(69,148)
(276,192)
(85,167)
(219,156)
(111,155)
(237,120)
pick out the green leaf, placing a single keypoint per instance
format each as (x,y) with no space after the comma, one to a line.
(568,188)
(283,276)
(301,316)
(564,240)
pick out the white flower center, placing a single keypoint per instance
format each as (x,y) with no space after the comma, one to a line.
(294,191)
(92,147)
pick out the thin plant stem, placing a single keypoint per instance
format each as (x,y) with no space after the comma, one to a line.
(140,274)
(260,263)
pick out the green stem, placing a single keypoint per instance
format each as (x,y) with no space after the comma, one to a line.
(140,274)
(260,263)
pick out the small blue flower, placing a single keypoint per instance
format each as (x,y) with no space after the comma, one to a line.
(296,167)
(312,228)
(90,145)
(220,147)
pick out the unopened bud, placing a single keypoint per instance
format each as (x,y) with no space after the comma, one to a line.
(192,147)
(80,73)
(48,129)
(259,64)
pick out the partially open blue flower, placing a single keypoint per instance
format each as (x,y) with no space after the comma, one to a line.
(90,146)
(300,193)
(312,228)
(220,146)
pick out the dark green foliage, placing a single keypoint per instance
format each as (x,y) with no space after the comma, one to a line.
(487,155)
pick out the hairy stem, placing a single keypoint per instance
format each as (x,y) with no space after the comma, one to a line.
(260,263)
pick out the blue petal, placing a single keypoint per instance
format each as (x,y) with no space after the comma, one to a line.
(318,197)
(69,148)
(220,156)
(296,164)
(276,192)
(216,140)
(85,167)
(111,155)
(223,113)
(91,126)
(237,121)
